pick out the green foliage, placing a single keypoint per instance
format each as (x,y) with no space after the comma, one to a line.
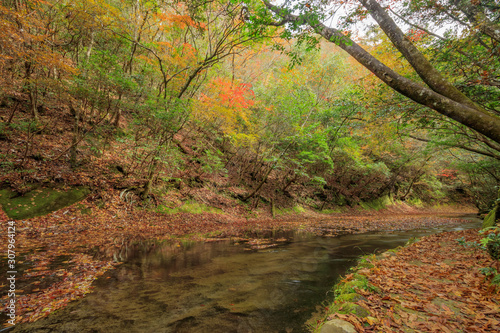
(491,272)
(488,271)
(318,180)
(412,240)
(415,202)
(482,174)
(461,241)
(191,207)
(331,211)
(492,241)
(297,209)
(212,162)
(496,280)
(357,282)
(377,204)
(31,126)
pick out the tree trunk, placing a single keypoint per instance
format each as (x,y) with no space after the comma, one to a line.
(152,172)
(118,112)
(290,182)
(74,140)
(418,61)
(11,116)
(34,110)
(408,190)
(256,204)
(273,208)
(260,184)
(148,186)
(483,123)
(451,105)
(31,92)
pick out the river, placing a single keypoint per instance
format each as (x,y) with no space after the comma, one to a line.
(223,286)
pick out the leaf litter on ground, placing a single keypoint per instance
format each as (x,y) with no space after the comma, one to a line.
(434,285)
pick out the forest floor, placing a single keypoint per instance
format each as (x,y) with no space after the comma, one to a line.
(433,285)
(59,255)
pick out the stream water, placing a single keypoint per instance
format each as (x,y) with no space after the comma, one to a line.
(220,286)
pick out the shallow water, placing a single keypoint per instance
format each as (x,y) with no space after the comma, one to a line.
(220,286)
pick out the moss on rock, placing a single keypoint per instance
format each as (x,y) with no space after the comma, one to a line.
(351,297)
(39,202)
(350,308)
(490,219)
(357,282)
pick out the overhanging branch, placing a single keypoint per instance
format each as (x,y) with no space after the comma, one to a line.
(484,123)
(455,145)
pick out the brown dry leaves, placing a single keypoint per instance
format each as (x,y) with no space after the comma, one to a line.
(431,286)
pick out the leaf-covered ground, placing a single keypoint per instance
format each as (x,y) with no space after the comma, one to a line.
(60,254)
(434,285)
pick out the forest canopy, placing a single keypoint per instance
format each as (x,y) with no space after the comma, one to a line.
(293,101)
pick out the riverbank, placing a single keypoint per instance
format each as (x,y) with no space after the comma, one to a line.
(433,285)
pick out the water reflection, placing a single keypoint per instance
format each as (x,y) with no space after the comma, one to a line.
(217,287)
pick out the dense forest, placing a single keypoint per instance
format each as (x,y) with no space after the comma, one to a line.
(224,101)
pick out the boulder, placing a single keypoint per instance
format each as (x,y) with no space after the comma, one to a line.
(338,326)
(490,219)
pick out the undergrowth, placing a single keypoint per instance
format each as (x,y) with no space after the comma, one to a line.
(191,207)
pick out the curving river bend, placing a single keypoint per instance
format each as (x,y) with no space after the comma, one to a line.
(221,286)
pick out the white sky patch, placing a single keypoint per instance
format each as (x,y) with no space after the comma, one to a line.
(336,14)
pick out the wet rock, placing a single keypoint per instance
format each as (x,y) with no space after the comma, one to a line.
(338,326)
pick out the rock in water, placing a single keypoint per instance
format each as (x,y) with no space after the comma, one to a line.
(338,326)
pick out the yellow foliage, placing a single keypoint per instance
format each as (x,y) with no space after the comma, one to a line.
(25,38)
